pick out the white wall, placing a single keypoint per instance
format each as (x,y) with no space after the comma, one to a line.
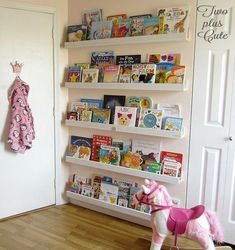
(111,7)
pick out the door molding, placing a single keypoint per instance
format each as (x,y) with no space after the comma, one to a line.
(52,11)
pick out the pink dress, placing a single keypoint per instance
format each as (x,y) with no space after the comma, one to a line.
(21,133)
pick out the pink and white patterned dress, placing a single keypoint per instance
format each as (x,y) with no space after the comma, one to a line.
(21,133)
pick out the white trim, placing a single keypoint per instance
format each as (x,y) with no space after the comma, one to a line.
(27,6)
(123,170)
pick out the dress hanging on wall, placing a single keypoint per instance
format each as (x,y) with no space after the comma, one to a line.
(21,133)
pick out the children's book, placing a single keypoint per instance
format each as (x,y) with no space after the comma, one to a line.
(87,190)
(82,65)
(173,110)
(111,73)
(126,62)
(158,58)
(137,24)
(90,75)
(102,57)
(76,33)
(144,73)
(101,115)
(101,30)
(132,204)
(99,140)
(115,21)
(174,20)
(123,145)
(131,160)
(93,103)
(109,155)
(123,193)
(74,74)
(111,101)
(86,116)
(76,106)
(124,78)
(96,186)
(150,118)
(125,116)
(83,145)
(151,26)
(123,29)
(176,75)
(90,16)
(73,116)
(173,124)
(160,74)
(108,192)
(149,151)
(142,102)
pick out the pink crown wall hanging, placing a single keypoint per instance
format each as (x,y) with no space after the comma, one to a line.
(17,67)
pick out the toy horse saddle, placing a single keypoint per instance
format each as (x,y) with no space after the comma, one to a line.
(179,217)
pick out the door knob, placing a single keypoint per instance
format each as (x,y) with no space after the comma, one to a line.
(230,138)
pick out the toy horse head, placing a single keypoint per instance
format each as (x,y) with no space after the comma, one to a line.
(153,194)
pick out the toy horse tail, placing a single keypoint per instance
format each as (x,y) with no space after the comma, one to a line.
(215,226)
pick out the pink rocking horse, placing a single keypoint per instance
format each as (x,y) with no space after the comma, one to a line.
(196,223)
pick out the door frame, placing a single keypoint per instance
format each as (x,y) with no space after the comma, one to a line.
(52,11)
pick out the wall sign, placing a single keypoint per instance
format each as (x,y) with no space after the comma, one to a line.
(213,22)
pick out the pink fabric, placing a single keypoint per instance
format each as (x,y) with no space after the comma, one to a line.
(21,133)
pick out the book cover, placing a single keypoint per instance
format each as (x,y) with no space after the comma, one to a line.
(125,116)
(86,115)
(92,103)
(102,57)
(142,102)
(144,73)
(74,75)
(76,33)
(123,145)
(151,26)
(137,24)
(132,204)
(87,190)
(96,183)
(101,115)
(123,29)
(148,150)
(76,106)
(111,101)
(109,155)
(176,75)
(175,19)
(173,110)
(90,16)
(131,160)
(108,192)
(126,62)
(111,73)
(73,116)
(124,78)
(173,124)
(82,65)
(165,155)
(158,58)
(160,76)
(90,75)
(123,193)
(99,140)
(115,22)
(101,30)
(150,118)
(83,145)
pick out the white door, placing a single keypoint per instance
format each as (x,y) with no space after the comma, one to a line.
(211,167)
(27,180)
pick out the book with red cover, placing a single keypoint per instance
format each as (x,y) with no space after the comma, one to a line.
(174,157)
(99,140)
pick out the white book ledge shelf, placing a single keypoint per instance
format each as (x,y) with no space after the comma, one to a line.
(106,205)
(162,38)
(123,170)
(123,129)
(128,86)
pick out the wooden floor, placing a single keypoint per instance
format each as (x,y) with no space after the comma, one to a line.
(70,227)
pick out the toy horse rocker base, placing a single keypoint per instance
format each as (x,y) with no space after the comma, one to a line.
(196,223)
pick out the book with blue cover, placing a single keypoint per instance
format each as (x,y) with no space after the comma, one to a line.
(101,30)
(76,33)
(151,26)
(93,103)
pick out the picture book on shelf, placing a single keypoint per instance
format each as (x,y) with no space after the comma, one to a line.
(90,16)
(73,116)
(123,29)
(111,73)
(137,24)
(86,116)
(150,118)
(74,74)
(111,101)
(92,103)
(126,62)
(115,21)
(76,33)
(108,192)
(175,19)
(125,116)
(142,102)
(109,155)
(75,106)
(123,193)
(173,124)
(149,152)
(82,65)
(144,73)
(173,110)
(102,57)
(99,140)
(151,26)
(101,116)
(132,204)
(80,147)
(101,30)
(123,145)
(124,78)
(96,183)
(158,58)
(176,75)
(160,76)
(90,75)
